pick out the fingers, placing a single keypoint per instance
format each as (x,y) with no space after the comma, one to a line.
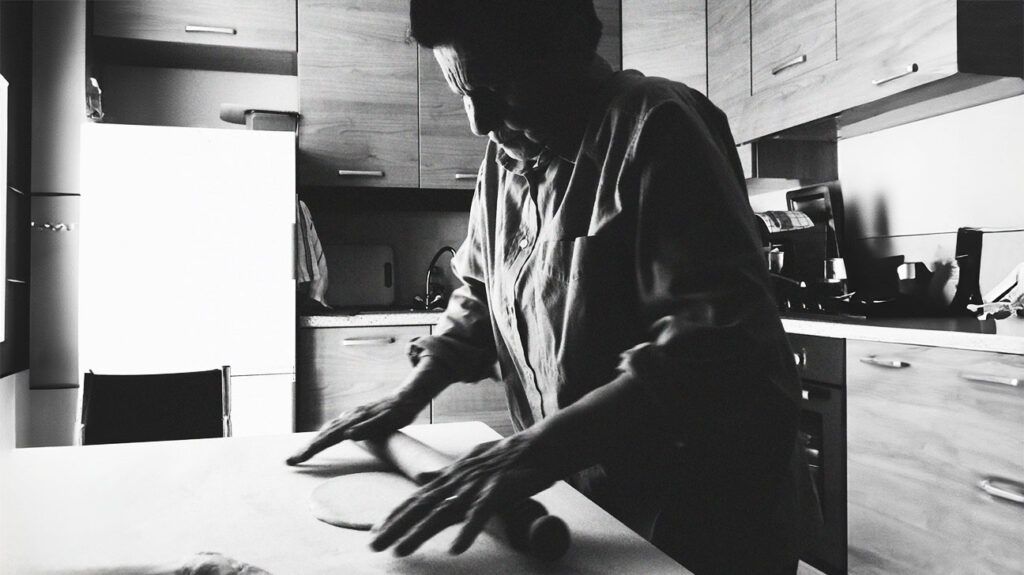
(477,518)
(405,516)
(449,512)
(332,434)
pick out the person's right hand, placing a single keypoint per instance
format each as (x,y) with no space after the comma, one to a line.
(374,419)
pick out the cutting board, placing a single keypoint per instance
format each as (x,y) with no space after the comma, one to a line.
(360,275)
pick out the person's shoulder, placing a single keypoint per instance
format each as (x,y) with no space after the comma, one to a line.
(636,94)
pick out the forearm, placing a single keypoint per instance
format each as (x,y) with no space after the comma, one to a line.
(599,425)
(427,380)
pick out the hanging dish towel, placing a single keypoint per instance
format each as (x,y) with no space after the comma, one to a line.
(310,264)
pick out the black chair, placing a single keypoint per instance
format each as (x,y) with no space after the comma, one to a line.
(155,407)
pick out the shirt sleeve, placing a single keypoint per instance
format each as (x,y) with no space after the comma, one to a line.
(463,340)
(716,347)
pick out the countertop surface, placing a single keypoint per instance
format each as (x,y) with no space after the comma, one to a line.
(1004,335)
(111,508)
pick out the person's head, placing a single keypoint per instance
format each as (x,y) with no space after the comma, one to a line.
(516,63)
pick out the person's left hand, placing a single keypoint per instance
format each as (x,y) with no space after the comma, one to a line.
(491,479)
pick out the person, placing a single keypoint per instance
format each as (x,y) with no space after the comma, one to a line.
(611,270)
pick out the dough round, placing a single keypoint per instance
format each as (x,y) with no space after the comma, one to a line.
(360,500)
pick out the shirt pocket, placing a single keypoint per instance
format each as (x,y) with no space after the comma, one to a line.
(583,258)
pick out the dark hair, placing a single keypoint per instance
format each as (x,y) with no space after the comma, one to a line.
(522,31)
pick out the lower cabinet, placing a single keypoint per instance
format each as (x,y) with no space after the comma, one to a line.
(935,443)
(341,368)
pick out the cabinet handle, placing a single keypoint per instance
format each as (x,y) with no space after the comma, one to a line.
(800,358)
(889,363)
(996,379)
(210,30)
(1003,488)
(388,340)
(465,176)
(906,72)
(789,64)
(362,173)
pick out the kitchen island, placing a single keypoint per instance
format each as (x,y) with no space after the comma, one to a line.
(98,508)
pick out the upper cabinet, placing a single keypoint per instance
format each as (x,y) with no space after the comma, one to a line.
(376,110)
(358,94)
(667,38)
(774,65)
(450,153)
(258,24)
(790,38)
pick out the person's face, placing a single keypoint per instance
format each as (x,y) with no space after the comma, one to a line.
(518,112)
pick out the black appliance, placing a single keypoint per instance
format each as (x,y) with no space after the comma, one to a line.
(822,428)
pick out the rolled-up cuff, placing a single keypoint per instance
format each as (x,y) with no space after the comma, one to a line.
(465,363)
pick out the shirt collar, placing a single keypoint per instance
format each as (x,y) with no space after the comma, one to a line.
(524,167)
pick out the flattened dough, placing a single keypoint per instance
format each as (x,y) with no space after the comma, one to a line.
(360,500)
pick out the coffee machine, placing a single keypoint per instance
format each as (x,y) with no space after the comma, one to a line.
(804,248)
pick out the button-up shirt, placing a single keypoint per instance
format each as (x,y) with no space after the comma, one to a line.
(636,256)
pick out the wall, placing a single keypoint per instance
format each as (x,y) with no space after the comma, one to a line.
(414,236)
(907,189)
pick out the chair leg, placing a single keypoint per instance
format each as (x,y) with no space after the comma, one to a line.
(226,401)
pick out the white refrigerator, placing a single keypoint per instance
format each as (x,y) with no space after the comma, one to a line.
(186,260)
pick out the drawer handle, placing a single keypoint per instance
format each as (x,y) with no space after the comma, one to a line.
(996,379)
(362,173)
(789,64)
(800,358)
(1002,488)
(465,176)
(906,72)
(210,30)
(889,363)
(368,341)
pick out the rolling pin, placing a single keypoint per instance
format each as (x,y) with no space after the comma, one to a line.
(527,525)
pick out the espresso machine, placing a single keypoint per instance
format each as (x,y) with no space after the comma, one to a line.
(804,249)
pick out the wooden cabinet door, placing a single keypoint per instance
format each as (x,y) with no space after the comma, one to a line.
(890,47)
(481,401)
(926,428)
(450,153)
(341,368)
(666,38)
(728,54)
(358,94)
(790,38)
(260,24)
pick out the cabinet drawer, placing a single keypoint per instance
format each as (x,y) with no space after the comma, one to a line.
(821,359)
(790,38)
(925,427)
(342,368)
(261,24)
(482,401)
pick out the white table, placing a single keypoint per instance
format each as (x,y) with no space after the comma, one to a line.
(72,509)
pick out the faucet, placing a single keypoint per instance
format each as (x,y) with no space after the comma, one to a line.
(431,300)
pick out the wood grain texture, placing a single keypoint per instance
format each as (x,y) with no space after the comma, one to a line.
(447,145)
(729,55)
(919,440)
(666,38)
(260,24)
(334,377)
(358,93)
(610,46)
(482,401)
(785,29)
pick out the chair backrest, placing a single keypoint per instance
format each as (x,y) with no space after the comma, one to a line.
(154,407)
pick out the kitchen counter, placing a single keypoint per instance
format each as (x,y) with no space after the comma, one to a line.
(1004,335)
(347,317)
(99,508)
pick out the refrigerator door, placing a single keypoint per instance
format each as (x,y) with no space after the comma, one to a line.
(186,250)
